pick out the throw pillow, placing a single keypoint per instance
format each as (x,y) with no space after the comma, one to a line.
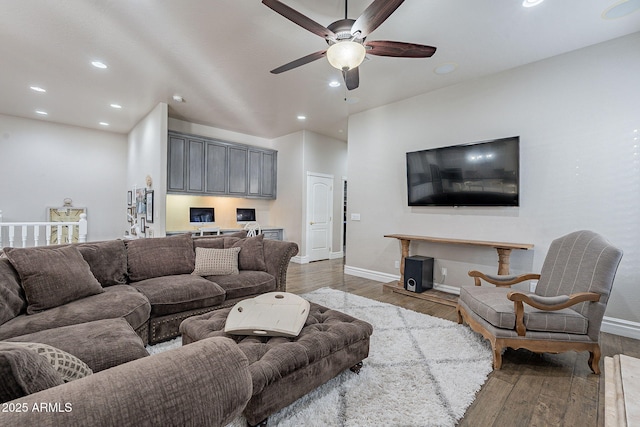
(12,299)
(107,261)
(252,254)
(24,372)
(162,256)
(52,277)
(216,262)
(68,366)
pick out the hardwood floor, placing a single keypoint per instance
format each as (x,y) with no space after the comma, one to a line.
(529,390)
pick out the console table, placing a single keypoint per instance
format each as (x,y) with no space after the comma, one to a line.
(503,248)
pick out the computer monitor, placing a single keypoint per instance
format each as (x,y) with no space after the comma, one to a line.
(201,216)
(245,214)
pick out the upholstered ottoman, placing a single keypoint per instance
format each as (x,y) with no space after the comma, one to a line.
(285,369)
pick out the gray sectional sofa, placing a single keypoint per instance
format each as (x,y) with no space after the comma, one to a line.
(148,282)
(103,301)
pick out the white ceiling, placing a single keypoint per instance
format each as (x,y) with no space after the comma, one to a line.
(217,55)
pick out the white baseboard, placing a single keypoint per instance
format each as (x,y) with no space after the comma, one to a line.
(300,259)
(336,255)
(370,274)
(610,325)
(625,328)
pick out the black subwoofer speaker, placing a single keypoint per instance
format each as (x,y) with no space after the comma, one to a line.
(418,273)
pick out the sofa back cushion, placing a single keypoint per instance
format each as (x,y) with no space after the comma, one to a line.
(162,256)
(23,372)
(251,255)
(107,261)
(12,299)
(52,277)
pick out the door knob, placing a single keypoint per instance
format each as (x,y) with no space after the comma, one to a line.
(311,223)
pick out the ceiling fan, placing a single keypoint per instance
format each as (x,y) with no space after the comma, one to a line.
(347,39)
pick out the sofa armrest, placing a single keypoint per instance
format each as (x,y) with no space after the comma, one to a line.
(277,255)
(205,383)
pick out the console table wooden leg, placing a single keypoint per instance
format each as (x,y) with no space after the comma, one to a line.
(503,260)
(405,253)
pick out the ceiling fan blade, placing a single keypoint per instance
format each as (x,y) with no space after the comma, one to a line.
(351,78)
(373,16)
(298,18)
(298,62)
(399,49)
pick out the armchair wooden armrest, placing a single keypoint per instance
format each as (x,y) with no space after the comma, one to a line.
(500,280)
(545,303)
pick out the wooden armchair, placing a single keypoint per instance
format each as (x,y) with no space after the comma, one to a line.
(565,311)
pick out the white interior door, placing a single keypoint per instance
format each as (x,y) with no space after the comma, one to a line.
(319,216)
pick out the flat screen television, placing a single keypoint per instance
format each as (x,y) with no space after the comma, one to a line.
(201,215)
(245,214)
(483,173)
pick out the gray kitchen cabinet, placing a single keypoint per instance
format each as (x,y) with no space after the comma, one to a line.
(262,167)
(176,164)
(195,171)
(237,171)
(217,171)
(199,165)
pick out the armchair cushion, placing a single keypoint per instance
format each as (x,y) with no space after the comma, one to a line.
(492,305)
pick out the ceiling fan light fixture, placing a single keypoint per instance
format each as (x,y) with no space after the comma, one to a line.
(346,55)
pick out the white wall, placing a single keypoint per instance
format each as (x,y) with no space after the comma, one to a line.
(578,117)
(42,163)
(221,134)
(287,208)
(299,153)
(326,155)
(148,157)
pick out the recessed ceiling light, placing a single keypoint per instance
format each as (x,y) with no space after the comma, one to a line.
(621,9)
(98,64)
(334,83)
(104,124)
(118,106)
(178,98)
(301,117)
(41,112)
(38,89)
(445,68)
(531,3)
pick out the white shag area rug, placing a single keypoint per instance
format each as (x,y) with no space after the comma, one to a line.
(421,371)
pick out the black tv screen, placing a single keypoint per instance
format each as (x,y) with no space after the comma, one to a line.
(484,173)
(245,214)
(201,215)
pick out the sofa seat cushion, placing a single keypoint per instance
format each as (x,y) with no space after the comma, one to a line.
(116,301)
(101,344)
(174,294)
(493,306)
(52,277)
(12,299)
(246,283)
(166,256)
(23,372)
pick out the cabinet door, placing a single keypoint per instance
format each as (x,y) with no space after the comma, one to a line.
(216,168)
(255,173)
(269,175)
(195,170)
(176,176)
(238,171)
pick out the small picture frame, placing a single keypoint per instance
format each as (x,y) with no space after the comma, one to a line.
(129,198)
(149,203)
(143,227)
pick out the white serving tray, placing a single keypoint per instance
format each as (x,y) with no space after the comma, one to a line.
(272,314)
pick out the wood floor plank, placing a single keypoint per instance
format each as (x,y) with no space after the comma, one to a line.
(530,389)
